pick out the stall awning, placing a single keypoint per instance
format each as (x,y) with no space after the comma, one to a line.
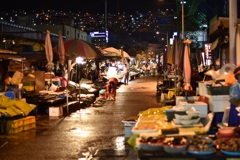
(221,21)
(224,21)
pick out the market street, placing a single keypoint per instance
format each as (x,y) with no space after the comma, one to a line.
(91,131)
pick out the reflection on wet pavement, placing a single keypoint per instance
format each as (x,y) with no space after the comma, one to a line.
(119,143)
(80,132)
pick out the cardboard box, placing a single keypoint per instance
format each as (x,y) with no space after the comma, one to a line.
(56,111)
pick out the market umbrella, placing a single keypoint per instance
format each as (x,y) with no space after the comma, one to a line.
(61,49)
(111,52)
(48,50)
(187,67)
(125,54)
(176,52)
(170,56)
(165,56)
(77,47)
(176,61)
(49,53)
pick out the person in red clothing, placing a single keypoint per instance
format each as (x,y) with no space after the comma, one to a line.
(111,88)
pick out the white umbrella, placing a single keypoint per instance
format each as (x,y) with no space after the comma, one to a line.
(48,50)
(61,49)
(49,53)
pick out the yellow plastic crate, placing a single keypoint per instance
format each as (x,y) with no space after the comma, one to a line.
(29,120)
(15,130)
(14,123)
(29,126)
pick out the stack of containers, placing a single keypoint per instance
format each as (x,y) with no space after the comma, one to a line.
(22,124)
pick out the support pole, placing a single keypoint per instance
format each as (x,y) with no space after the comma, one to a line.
(232,31)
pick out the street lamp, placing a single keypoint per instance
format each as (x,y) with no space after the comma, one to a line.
(182,3)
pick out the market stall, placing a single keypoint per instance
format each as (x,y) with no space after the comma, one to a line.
(155,137)
(216,91)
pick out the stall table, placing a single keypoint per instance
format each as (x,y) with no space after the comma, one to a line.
(161,155)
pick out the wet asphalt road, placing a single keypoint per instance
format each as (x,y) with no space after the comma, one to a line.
(89,132)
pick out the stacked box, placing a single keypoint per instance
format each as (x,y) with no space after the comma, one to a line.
(22,124)
(14,126)
(15,130)
(29,126)
(29,122)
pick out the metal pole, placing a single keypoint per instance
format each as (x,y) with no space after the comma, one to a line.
(106,19)
(182,19)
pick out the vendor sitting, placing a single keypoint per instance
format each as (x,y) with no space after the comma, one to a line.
(234,94)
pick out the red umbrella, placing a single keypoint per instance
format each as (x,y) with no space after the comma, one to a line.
(61,49)
(76,47)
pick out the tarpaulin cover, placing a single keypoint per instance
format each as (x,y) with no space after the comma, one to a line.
(14,107)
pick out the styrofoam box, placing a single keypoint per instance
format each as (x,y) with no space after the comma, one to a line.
(200,106)
(218,103)
(56,111)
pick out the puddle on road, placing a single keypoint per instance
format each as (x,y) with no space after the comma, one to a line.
(117,150)
(119,143)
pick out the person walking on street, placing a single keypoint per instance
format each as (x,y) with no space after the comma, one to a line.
(126,71)
(111,88)
(154,68)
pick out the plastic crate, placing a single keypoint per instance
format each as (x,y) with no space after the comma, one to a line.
(29,126)
(218,90)
(14,123)
(15,130)
(29,120)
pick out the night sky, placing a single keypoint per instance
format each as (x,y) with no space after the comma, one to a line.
(91,6)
